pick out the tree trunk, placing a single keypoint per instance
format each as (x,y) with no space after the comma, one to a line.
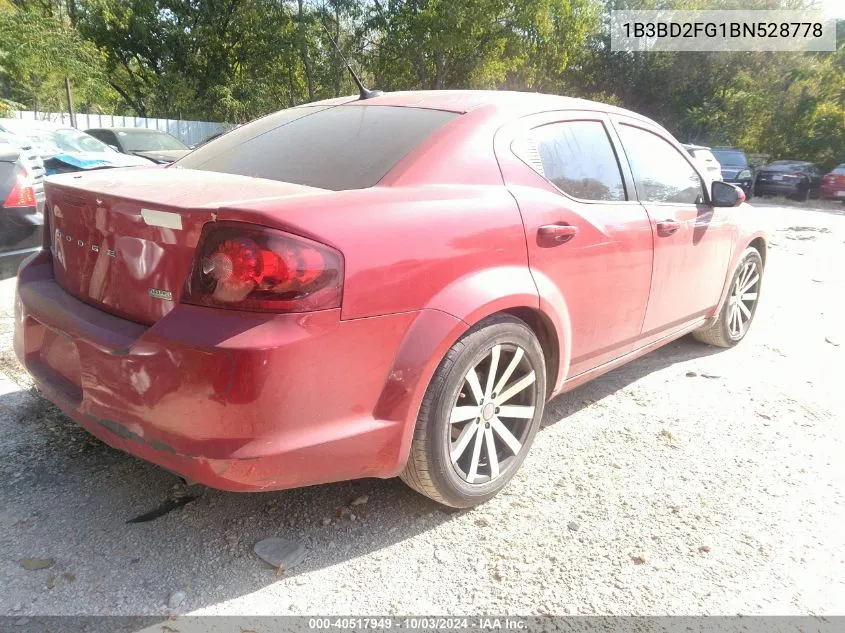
(336,61)
(303,50)
(439,70)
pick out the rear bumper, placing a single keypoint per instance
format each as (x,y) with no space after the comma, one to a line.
(778,189)
(21,234)
(834,192)
(234,400)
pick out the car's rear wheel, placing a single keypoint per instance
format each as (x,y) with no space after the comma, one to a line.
(736,315)
(479,415)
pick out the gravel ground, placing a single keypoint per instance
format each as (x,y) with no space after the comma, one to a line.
(692,481)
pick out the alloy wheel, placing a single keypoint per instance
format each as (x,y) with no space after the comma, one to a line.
(492,414)
(742,299)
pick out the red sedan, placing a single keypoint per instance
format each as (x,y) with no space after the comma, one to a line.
(833,184)
(380,287)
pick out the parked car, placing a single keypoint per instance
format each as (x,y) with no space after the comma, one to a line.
(708,161)
(794,179)
(833,184)
(64,149)
(736,169)
(20,221)
(32,163)
(379,287)
(159,147)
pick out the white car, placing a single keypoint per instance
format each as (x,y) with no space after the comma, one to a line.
(706,159)
(68,149)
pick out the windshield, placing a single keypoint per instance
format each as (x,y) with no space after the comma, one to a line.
(68,140)
(839,170)
(148,141)
(730,158)
(340,147)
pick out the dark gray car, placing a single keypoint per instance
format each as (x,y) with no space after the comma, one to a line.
(736,168)
(21,219)
(796,179)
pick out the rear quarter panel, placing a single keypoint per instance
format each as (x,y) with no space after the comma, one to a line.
(405,249)
(451,255)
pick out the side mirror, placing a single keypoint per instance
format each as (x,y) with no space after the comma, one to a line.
(114,147)
(723,194)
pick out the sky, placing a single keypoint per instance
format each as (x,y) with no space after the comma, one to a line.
(835,8)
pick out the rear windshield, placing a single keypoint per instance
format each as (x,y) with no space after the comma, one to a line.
(147,141)
(730,158)
(787,166)
(703,155)
(839,170)
(340,147)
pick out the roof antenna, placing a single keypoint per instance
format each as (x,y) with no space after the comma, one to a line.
(363,91)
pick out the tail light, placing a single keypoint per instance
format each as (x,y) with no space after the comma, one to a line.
(22,193)
(247,267)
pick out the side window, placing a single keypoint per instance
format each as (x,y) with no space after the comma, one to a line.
(104,136)
(578,158)
(661,172)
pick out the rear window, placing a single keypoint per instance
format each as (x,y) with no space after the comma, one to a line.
(340,147)
(730,158)
(148,141)
(704,155)
(839,170)
(786,166)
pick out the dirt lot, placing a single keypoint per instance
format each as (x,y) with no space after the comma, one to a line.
(692,481)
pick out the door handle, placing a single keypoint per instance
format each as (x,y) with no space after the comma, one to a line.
(667,227)
(555,234)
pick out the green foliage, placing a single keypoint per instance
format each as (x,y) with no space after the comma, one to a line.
(784,105)
(477,43)
(234,60)
(38,51)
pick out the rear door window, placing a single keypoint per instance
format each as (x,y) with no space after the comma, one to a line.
(340,147)
(578,158)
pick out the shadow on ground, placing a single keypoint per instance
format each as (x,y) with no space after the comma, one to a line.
(66,496)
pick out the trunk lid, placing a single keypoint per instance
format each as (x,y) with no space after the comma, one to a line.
(124,240)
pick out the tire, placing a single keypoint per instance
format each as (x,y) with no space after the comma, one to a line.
(724,331)
(431,470)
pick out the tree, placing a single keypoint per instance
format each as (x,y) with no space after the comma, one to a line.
(38,51)
(477,43)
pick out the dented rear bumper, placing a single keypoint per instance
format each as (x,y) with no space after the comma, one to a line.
(234,400)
